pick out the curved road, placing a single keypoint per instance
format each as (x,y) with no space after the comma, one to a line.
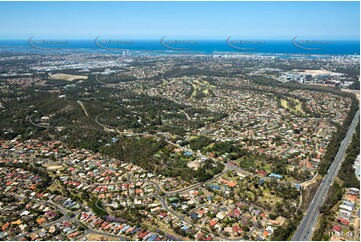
(36,125)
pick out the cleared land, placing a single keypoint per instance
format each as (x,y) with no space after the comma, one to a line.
(319,72)
(68,77)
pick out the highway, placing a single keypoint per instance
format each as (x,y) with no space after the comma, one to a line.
(305,228)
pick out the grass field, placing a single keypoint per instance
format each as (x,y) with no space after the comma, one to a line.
(200,86)
(294,109)
(67,77)
(98,237)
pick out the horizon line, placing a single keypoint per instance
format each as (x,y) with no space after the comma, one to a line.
(182,38)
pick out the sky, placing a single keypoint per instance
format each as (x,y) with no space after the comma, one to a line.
(210,20)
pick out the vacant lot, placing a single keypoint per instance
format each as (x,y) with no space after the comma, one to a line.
(67,77)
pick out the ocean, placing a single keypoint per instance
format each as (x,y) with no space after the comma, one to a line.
(172,46)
